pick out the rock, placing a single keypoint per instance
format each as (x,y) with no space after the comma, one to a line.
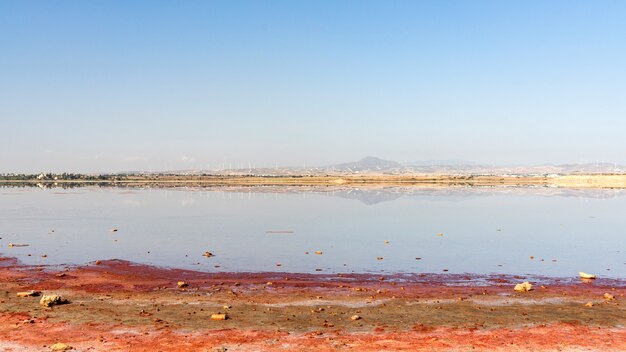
(609,297)
(182,284)
(31,293)
(584,275)
(355,317)
(228,306)
(50,300)
(219,316)
(61,347)
(440,234)
(113,230)
(589,304)
(208,254)
(523,287)
(319,252)
(379,258)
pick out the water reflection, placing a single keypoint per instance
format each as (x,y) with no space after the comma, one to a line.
(484,229)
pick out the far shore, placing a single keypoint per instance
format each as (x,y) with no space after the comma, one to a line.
(365,180)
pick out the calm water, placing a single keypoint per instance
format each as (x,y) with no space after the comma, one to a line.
(484,230)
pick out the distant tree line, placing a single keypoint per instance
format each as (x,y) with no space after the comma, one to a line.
(60,177)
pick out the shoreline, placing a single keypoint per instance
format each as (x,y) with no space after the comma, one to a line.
(117,305)
(616,181)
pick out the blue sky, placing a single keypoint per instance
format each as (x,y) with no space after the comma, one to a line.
(118,85)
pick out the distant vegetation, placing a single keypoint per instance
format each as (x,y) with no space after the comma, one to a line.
(56,177)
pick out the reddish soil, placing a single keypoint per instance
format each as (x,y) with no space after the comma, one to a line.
(120,306)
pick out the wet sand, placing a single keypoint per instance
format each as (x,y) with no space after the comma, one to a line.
(121,306)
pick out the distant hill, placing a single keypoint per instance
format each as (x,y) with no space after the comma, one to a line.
(447,162)
(369,163)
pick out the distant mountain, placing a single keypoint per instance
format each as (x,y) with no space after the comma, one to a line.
(447,162)
(369,163)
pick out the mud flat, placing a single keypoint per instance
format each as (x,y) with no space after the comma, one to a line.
(121,306)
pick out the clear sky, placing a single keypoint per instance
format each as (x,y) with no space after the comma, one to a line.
(94,86)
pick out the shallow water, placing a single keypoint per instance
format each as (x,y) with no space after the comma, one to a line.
(484,230)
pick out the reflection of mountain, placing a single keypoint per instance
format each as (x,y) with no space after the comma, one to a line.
(369,197)
(365,194)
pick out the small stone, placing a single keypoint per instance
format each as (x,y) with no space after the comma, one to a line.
(319,252)
(355,317)
(584,275)
(609,297)
(227,306)
(50,300)
(219,316)
(113,230)
(208,254)
(31,293)
(61,347)
(589,304)
(182,284)
(379,258)
(523,287)
(440,234)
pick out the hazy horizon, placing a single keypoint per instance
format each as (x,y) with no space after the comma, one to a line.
(119,86)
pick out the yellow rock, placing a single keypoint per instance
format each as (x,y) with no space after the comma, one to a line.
(219,316)
(61,347)
(523,287)
(31,293)
(584,275)
(609,297)
(589,304)
(318,252)
(182,284)
(50,300)
(355,317)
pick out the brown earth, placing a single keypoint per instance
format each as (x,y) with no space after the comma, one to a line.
(120,306)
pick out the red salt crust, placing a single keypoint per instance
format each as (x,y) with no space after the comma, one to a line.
(112,338)
(116,276)
(123,276)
